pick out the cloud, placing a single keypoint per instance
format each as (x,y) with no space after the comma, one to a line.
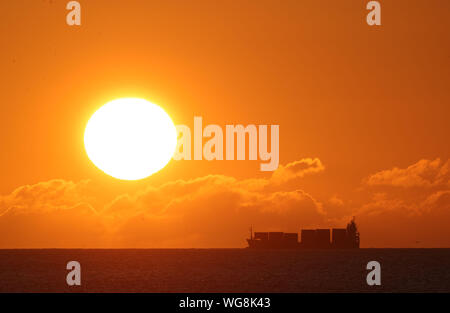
(209,211)
(54,213)
(408,207)
(421,187)
(424,173)
(49,195)
(297,169)
(396,222)
(214,210)
(438,201)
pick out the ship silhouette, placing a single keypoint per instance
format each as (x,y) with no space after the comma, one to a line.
(341,238)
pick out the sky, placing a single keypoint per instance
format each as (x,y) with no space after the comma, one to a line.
(363,113)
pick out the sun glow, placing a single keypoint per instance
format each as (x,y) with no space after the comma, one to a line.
(130,138)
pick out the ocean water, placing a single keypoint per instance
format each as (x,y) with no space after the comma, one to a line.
(225,270)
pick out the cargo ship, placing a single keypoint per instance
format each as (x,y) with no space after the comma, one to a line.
(336,238)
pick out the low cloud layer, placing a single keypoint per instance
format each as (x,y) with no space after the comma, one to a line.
(403,207)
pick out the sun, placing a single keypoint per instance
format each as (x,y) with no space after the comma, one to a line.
(130,138)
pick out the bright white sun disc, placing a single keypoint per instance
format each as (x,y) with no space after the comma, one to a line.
(130,138)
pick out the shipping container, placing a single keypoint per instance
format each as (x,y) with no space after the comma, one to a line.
(322,238)
(339,237)
(276,236)
(261,236)
(291,237)
(308,238)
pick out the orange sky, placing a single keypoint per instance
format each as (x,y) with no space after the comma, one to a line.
(363,110)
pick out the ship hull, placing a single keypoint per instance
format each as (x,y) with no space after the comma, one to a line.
(267,245)
(260,244)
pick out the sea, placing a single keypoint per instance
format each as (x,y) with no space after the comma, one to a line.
(225,270)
